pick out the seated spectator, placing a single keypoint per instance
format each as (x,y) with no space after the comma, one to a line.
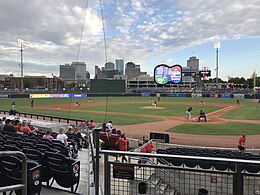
(70,130)
(17,125)
(82,124)
(91,124)
(62,137)
(25,128)
(48,136)
(202,115)
(118,132)
(1,124)
(114,131)
(109,126)
(9,128)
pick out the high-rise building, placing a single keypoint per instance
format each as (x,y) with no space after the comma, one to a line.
(80,71)
(120,66)
(193,63)
(133,71)
(68,72)
(109,66)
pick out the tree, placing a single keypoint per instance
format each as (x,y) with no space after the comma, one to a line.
(27,83)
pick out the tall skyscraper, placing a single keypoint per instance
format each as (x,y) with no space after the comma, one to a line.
(80,71)
(120,66)
(68,72)
(193,63)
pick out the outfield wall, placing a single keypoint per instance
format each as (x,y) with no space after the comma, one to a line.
(84,95)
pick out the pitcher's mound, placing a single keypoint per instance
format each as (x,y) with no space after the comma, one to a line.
(155,108)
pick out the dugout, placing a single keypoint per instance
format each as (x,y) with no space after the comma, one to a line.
(107,86)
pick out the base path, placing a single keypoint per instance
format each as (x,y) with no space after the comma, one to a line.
(138,131)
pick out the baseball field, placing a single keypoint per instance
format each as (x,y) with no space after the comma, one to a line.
(137,117)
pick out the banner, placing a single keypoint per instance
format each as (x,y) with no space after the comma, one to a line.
(196,95)
(225,96)
(176,95)
(239,96)
(3,95)
(78,95)
(39,95)
(146,94)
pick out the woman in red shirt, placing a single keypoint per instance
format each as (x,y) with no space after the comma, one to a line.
(241,143)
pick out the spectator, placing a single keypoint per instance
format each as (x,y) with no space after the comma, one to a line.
(91,125)
(4,119)
(17,125)
(70,130)
(48,136)
(9,128)
(122,145)
(241,143)
(62,137)
(82,124)
(25,128)
(109,126)
(149,147)
(1,124)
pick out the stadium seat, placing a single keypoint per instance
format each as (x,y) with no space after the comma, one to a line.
(39,157)
(12,170)
(65,171)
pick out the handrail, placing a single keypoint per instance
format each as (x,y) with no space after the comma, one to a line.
(113,152)
(44,116)
(23,185)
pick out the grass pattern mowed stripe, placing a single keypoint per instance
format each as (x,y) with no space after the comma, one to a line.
(217,129)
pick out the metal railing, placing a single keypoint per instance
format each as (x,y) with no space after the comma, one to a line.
(178,179)
(44,117)
(23,185)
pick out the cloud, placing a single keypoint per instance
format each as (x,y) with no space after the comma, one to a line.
(135,30)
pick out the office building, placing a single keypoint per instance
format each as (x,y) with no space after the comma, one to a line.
(193,63)
(68,72)
(120,66)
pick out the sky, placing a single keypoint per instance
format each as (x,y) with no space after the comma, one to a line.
(147,33)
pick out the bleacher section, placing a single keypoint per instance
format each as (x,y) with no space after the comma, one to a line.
(52,160)
(210,153)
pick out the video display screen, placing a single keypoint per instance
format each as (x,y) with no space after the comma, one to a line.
(164,74)
(204,73)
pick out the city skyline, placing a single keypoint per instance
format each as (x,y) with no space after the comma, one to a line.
(147,33)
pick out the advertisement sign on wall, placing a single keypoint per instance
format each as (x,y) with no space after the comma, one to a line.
(239,96)
(39,95)
(194,95)
(225,96)
(176,95)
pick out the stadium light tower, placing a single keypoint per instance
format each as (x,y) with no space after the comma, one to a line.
(20,41)
(217,46)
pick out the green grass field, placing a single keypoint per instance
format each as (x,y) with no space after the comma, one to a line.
(250,111)
(219,129)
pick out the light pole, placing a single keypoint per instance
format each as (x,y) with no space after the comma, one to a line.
(217,46)
(21,63)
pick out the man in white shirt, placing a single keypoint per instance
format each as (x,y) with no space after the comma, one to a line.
(109,125)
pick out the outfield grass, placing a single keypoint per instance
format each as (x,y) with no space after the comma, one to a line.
(249,112)
(219,129)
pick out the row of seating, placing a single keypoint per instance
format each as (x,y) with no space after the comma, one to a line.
(210,164)
(11,174)
(53,157)
(109,141)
